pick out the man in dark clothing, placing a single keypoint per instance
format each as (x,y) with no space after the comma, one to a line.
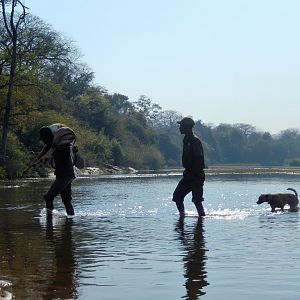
(64,171)
(193,163)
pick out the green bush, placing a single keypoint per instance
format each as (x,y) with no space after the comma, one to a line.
(146,157)
(3,174)
(293,162)
(17,157)
(152,158)
(117,153)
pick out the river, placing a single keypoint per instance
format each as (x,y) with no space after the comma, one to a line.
(126,241)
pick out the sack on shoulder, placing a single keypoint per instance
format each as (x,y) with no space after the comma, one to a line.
(63,134)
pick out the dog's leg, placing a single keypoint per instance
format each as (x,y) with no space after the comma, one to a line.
(294,208)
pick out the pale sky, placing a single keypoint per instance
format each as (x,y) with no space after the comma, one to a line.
(220,61)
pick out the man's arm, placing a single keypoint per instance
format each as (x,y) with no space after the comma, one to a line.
(45,149)
(198,158)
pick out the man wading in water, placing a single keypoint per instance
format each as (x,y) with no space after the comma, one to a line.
(58,140)
(193,163)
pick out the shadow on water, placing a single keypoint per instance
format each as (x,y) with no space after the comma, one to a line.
(193,242)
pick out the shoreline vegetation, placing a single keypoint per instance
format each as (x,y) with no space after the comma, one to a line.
(252,170)
(53,85)
(216,170)
(237,169)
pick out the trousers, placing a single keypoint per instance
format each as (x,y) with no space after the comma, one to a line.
(186,186)
(62,186)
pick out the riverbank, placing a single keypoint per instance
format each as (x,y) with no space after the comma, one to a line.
(108,169)
(244,169)
(104,170)
(233,169)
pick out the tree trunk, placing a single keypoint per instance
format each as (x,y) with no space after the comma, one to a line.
(12,30)
(7,108)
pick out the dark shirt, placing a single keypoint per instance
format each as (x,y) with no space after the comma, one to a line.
(193,156)
(63,161)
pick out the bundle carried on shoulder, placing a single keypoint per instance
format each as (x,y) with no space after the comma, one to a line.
(63,136)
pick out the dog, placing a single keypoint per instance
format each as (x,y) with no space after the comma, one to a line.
(280,200)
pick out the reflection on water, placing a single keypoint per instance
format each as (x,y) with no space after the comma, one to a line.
(38,262)
(193,242)
(62,282)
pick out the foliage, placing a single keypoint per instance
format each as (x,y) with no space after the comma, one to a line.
(293,162)
(52,85)
(3,174)
(13,14)
(17,157)
(149,109)
(170,147)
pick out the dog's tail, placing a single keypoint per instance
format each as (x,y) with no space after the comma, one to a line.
(290,189)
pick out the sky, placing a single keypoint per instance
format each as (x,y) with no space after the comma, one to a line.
(232,61)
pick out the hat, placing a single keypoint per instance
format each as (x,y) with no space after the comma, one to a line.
(187,122)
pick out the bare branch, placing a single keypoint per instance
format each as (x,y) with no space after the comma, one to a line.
(5,19)
(22,15)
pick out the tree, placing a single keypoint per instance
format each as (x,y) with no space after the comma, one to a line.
(74,78)
(120,104)
(261,152)
(45,56)
(12,22)
(168,119)
(149,109)
(287,144)
(207,135)
(246,129)
(46,72)
(230,143)
(170,145)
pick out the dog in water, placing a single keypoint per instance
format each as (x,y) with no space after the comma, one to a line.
(280,200)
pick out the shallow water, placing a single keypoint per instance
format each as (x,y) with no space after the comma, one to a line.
(127,241)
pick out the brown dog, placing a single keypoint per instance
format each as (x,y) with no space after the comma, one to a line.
(280,200)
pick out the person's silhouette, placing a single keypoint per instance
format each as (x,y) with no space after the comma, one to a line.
(193,175)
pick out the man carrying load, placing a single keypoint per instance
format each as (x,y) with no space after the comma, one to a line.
(58,140)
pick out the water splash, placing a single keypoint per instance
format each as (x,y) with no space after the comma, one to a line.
(228,214)
(97,213)
(55,213)
(57,217)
